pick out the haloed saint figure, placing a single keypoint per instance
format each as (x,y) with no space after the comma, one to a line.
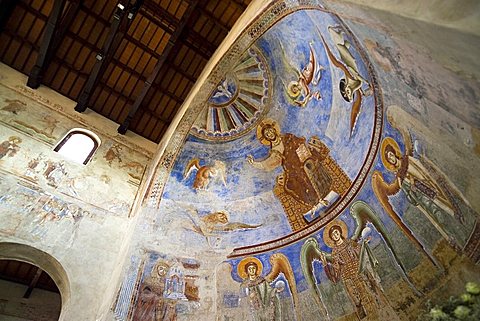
(310,174)
(346,264)
(262,298)
(151,303)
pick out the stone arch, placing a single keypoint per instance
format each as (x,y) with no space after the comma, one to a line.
(45,261)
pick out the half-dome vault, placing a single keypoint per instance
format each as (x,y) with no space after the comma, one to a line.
(285,136)
(287,183)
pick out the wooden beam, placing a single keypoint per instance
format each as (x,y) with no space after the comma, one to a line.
(6,12)
(154,12)
(197,50)
(172,42)
(118,28)
(200,42)
(47,41)
(152,52)
(239,4)
(50,43)
(33,283)
(213,19)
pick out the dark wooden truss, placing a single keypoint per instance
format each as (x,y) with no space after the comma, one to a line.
(26,274)
(132,61)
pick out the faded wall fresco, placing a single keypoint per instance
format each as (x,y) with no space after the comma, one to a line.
(28,134)
(78,214)
(306,181)
(166,287)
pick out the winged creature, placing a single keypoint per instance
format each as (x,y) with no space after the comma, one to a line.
(205,173)
(351,260)
(261,295)
(300,91)
(424,186)
(216,222)
(351,85)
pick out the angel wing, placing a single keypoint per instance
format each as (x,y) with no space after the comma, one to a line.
(357,103)
(363,213)
(193,164)
(335,61)
(293,74)
(382,191)
(233,226)
(358,96)
(452,194)
(290,69)
(311,252)
(281,264)
(407,140)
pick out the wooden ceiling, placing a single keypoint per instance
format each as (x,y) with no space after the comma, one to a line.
(132,61)
(26,274)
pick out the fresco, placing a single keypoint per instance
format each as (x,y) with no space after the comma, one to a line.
(26,151)
(282,152)
(239,100)
(36,214)
(320,204)
(166,288)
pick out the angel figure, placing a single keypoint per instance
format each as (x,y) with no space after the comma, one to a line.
(425,187)
(352,262)
(299,90)
(262,292)
(205,173)
(351,85)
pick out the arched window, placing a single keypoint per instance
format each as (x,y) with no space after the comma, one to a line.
(78,145)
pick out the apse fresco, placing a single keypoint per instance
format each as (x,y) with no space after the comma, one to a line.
(319,201)
(285,136)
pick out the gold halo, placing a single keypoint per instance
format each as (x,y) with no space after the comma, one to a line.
(386,142)
(159,264)
(241,266)
(267,122)
(326,232)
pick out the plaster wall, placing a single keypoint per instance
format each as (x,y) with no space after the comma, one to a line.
(460,15)
(80,216)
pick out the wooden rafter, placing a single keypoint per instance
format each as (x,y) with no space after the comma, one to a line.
(172,42)
(111,44)
(242,6)
(157,13)
(33,283)
(199,42)
(213,19)
(7,9)
(54,33)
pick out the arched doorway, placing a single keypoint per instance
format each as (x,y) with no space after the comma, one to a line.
(33,284)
